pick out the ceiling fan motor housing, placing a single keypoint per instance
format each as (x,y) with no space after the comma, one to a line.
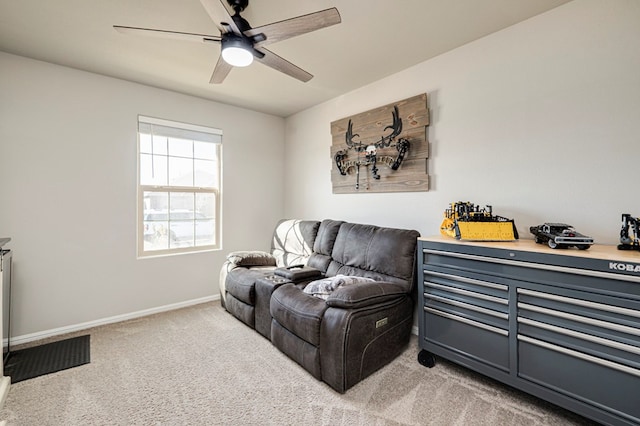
(238,5)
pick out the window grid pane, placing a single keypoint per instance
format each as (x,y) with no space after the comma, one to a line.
(160,145)
(180,148)
(178,219)
(204,150)
(180,171)
(153,170)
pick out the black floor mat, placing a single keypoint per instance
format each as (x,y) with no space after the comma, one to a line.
(32,362)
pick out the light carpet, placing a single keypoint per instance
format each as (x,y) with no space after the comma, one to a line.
(201,366)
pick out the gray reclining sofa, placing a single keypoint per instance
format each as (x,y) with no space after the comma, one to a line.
(359,320)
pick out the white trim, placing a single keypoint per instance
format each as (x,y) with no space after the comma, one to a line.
(181,125)
(110,320)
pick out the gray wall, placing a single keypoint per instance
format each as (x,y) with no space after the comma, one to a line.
(68,194)
(540,120)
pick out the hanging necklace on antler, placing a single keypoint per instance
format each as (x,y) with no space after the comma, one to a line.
(370,152)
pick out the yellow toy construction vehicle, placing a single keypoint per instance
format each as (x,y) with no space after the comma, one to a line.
(467,221)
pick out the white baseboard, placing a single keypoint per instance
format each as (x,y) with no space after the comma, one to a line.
(26,338)
(414,330)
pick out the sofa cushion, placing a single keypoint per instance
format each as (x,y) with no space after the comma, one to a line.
(292,242)
(241,283)
(384,254)
(299,313)
(327,233)
(323,245)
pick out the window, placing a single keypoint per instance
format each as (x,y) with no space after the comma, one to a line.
(178,187)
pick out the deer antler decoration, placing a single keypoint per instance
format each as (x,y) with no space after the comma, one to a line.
(371,157)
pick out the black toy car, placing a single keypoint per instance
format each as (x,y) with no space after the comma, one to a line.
(560,235)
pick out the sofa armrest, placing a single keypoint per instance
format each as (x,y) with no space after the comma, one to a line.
(251,258)
(365,294)
(298,273)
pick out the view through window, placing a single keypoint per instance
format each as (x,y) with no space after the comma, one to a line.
(179,187)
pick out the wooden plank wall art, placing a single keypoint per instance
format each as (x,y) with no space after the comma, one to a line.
(382,150)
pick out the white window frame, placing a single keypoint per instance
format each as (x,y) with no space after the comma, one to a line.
(142,189)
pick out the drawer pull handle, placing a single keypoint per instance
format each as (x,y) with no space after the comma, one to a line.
(581,319)
(588,337)
(469,306)
(467,321)
(580,355)
(468,280)
(467,293)
(580,302)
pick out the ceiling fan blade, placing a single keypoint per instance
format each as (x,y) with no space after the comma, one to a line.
(220,72)
(220,15)
(274,61)
(176,35)
(293,27)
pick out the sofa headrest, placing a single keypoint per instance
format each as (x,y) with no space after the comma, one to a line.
(326,238)
(323,245)
(293,240)
(368,250)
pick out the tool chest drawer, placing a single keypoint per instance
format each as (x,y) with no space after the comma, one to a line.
(576,374)
(475,299)
(576,321)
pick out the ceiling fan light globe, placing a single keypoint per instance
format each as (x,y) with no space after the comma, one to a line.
(237,56)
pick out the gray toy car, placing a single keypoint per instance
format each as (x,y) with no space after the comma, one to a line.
(560,235)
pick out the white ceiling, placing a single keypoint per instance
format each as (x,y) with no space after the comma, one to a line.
(376,38)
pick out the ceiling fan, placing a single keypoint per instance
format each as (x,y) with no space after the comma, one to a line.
(241,44)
